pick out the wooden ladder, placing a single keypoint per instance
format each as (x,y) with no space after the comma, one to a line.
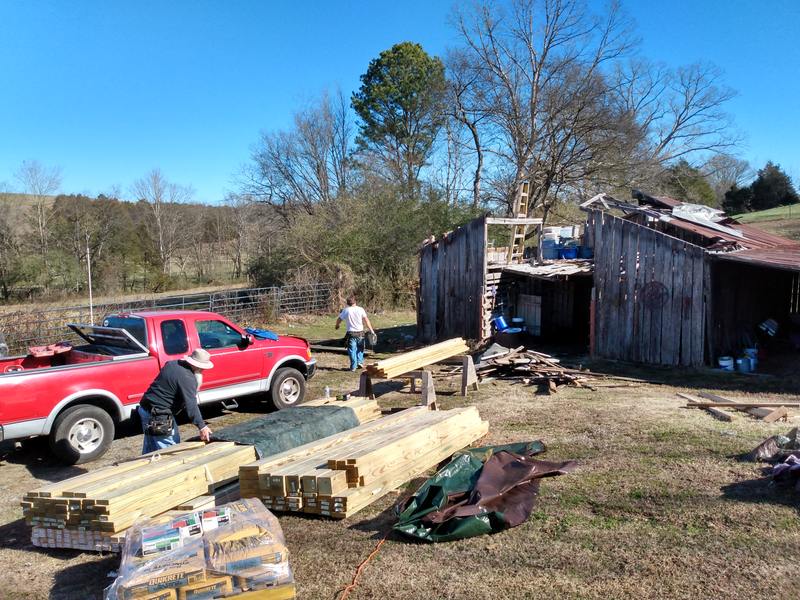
(516,246)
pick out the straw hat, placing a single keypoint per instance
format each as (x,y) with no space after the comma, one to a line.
(200,359)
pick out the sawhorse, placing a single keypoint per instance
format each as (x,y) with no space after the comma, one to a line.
(469,380)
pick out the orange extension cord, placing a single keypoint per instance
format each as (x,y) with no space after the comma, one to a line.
(361,566)
(378,547)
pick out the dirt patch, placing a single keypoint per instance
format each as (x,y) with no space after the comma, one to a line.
(662,504)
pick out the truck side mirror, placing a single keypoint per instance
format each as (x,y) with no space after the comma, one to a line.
(248,337)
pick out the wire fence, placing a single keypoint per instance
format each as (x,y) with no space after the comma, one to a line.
(23,329)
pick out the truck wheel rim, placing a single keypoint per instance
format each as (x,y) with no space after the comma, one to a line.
(290,390)
(86,435)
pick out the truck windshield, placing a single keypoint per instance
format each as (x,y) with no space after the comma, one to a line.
(134,325)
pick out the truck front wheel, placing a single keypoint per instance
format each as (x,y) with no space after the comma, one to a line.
(288,389)
(81,434)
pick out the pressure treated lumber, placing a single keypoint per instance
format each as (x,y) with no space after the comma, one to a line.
(416,359)
(114,497)
(342,478)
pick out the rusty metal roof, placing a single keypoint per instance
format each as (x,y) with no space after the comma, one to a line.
(777,257)
(660,208)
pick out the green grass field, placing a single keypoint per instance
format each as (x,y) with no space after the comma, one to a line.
(773,214)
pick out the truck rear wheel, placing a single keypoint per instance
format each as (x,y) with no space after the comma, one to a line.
(81,434)
(288,388)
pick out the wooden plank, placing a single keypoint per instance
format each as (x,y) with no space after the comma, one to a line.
(659,276)
(614,287)
(743,405)
(698,308)
(776,414)
(676,302)
(756,412)
(708,292)
(647,260)
(629,287)
(686,310)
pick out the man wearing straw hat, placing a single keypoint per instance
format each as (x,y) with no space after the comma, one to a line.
(174,389)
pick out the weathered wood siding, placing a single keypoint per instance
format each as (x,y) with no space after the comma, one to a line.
(649,293)
(451,285)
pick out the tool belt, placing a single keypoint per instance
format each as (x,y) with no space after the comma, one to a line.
(357,334)
(160,423)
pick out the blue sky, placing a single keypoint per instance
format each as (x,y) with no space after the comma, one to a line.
(110,90)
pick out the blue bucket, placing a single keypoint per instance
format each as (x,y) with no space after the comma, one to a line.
(500,324)
(568,253)
(550,253)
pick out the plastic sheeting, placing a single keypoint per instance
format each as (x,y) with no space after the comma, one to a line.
(235,548)
(480,491)
(289,428)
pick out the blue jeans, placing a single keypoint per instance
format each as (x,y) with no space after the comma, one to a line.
(355,350)
(153,443)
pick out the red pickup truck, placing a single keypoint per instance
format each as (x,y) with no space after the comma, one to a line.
(76,394)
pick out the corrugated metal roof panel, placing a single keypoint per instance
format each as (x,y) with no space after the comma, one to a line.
(779,257)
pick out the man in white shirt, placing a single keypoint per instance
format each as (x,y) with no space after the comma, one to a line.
(355,317)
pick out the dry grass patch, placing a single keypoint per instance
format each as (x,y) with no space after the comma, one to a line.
(661,506)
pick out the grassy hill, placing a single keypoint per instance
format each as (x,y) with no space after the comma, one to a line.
(773,214)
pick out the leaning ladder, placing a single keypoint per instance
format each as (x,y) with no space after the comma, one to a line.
(516,247)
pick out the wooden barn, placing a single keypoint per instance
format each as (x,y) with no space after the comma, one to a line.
(465,285)
(677,284)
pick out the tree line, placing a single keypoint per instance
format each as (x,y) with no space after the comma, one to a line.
(545,91)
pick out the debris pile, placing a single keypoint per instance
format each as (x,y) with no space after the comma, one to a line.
(536,368)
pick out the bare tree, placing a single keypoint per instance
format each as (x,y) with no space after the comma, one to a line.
(40,183)
(167,220)
(307,165)
(724,171)
(11,270)
(540,65)
(469,108)
(680,112)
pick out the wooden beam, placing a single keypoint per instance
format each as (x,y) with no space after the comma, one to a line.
(512,221)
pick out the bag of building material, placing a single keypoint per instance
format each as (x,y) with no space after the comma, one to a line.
(231,550)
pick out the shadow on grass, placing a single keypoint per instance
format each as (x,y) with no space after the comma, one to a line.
(34,454)
(86,580)
(762,491)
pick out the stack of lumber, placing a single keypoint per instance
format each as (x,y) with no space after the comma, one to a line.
(367,410)
(104,503)
(719,407)
(339,475)
(416,360)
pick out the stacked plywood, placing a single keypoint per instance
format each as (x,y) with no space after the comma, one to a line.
(107,501)
(340,475)
(415,360)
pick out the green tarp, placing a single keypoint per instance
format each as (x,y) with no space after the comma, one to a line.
(286,429)
(480,491)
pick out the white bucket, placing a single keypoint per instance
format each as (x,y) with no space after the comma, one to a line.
(725,363)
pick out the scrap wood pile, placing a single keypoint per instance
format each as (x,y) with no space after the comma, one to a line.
(531,367)
(92,511)
(719,406)
(339,475)
(416,359)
